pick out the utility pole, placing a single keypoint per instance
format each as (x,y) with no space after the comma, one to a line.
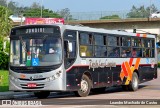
(41,8)
(150,7)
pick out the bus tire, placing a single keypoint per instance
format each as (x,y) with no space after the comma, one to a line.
(133,86)
(125,87)
(42,94)
(99,90)
(85,87)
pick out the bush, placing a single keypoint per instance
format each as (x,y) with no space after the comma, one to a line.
(159,64)
(4,60)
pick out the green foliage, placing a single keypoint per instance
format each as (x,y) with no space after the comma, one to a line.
(5,30)
(4,82)
(4,58)
(111,17)
(6,23)
(46,13)
(35,11)
(141,12)
(159,64)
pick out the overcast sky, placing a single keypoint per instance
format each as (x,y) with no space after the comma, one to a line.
(90,5)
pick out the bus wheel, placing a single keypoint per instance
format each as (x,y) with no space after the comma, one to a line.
(99,90)
(125,87)
(85,87)
(133,86)
(42,94)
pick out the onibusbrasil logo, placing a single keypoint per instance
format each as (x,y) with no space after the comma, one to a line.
(21,103)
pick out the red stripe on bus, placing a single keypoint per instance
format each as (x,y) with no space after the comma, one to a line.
(138,35)
(124,69)
(128,69)
(130,61)
(76,66)
(137,63)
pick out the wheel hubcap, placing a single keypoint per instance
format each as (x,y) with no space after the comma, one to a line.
(135,82)
(84,86)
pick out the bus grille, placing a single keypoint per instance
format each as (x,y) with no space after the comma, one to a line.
(33,88)
(32,79)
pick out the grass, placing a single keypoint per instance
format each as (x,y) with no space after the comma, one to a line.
(4,81)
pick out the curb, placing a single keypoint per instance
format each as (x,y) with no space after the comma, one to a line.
(15,95)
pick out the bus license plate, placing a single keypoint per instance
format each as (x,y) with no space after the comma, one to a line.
(30,85)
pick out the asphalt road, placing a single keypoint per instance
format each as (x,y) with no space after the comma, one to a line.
(148,95)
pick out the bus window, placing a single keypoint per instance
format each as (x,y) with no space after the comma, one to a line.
(98,39)
(125,52)
(100,45)
(100,51)
(146,52)
(153,53)
(146,43)
(69,47)
(113,41)
(113,52)
(86,41)
(153,43)
(126,41)
(86,51)
(136,42)
(136,52)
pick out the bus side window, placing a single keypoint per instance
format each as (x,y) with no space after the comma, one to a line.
(126,41)
(86,41)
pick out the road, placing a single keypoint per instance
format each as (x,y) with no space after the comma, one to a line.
(148,90)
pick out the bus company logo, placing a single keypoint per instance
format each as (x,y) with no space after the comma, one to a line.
(97,64)
(31,78)
(127,70)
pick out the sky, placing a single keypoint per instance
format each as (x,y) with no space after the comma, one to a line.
(90,5)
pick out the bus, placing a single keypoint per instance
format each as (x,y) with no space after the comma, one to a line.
(79,59)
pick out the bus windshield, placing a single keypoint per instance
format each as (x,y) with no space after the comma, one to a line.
(44,51)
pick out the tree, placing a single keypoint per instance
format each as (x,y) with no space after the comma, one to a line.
(11,5)
(111,17)
(35,11)
(65,13)
(5,26)
(46,13)
(3,3)
(141,12)
(5,22)
(35,6)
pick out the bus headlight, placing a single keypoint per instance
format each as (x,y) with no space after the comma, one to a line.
(55,76)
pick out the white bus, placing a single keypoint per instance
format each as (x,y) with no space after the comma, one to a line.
(46,58)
